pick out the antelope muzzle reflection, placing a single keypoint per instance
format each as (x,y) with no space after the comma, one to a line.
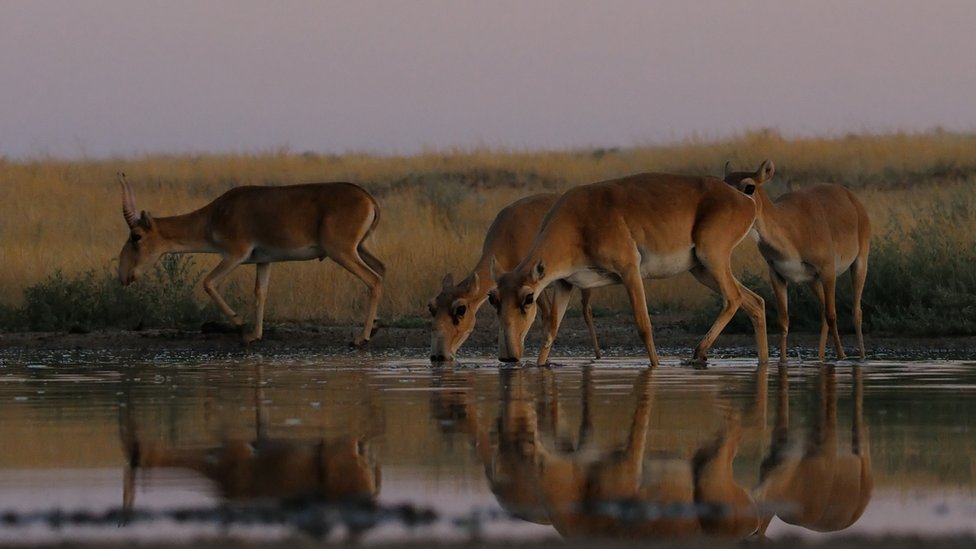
(545,474)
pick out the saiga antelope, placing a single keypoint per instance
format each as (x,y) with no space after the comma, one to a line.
(509,237)
(340,469)
(261,225)
(539,476)
(821,485)
(622,231)
(810,236)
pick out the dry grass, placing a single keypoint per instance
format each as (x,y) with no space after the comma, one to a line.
(436,206)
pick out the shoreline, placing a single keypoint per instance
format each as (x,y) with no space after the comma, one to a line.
(616,334)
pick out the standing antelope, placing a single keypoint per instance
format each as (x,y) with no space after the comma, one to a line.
(508,240)
(822,485)
(622,231)
(262,225)
(810,236)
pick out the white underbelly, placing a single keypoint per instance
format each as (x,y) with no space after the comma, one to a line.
(592,278)
(651,266)
(794,271)
(269,255)
(666,265)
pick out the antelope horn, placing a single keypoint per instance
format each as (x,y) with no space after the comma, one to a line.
(128,203)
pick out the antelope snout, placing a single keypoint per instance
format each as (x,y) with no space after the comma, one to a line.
(127,278)
(441,358)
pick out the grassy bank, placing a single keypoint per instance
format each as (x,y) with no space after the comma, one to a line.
(61,227)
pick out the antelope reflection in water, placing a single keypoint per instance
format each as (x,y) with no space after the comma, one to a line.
(818,485)
(540,474)
(339,469)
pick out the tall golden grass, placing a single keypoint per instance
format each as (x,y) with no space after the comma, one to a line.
(66,215)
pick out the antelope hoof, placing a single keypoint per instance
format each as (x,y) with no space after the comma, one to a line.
(697,362)
(376,328)
(247,339)
(358,343)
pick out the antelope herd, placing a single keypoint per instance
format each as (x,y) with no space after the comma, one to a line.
(619,231)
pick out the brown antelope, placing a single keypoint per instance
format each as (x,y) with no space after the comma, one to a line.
(508,240)
(261,225)
(819,486)
(622,231)
(575,486)
(339,469)
(334,469)
(810,236)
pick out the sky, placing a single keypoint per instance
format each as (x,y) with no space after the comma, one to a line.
(107,78)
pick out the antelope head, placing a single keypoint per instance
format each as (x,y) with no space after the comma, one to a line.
(514,299)
(143,247)
(749,182)
(453,311)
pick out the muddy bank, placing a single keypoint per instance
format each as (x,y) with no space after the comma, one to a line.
(616,334)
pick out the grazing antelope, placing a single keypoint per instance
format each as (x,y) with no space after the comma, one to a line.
(810,236)
(508,240)
(261,225)
(819,486)
(622,231)
(340,469)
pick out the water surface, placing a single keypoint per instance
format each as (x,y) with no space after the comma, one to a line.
(133,445)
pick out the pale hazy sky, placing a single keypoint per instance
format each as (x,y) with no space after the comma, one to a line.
(123,77)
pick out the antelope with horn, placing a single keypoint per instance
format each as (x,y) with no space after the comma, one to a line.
(622,231)
(810,236)
(261,225)
(509,237)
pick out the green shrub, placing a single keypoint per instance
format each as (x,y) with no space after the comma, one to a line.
(922,281)
(96,300)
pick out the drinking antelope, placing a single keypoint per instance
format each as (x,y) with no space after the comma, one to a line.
(810,236)
(261,225)
(508,240)
(539,476)
(622,231)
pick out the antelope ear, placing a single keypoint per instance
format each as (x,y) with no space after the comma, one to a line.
(448,281)
(538,271)
(766,171)
(493,298)
(728,168)
(146,220)
(472,283)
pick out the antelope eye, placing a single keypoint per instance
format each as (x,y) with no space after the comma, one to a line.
(461,309)
(527,301)
(136,237)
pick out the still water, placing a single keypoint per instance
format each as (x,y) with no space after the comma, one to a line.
(146,446)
